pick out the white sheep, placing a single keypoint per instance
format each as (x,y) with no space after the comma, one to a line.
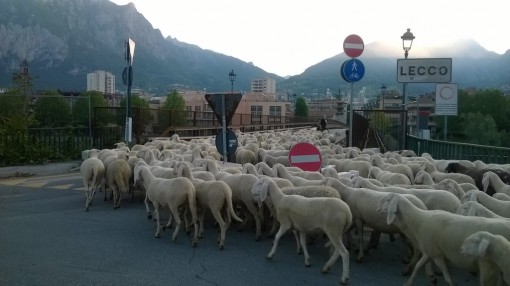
(387,177)
(215,195)
(473,208)
(439,234)
(244,155)
(377,161)
(486,246)
(92,171)
(501,196)
(118,174)
(363,203)
(168,193)
(438,176)
(499,207)
(331,215)
(281,171)
(346,165)
(492,179)
(432,198)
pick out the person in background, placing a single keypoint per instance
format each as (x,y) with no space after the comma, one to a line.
(323,123)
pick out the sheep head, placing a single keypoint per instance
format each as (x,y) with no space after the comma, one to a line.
(486,179)
(259,190)
(476,244)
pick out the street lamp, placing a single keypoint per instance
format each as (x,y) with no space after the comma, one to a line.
(383,93)
(232,77)
(407,42)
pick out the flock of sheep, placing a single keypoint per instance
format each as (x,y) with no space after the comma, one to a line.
(446,213)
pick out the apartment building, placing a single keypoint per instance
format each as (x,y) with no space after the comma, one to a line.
(101,81)
(263,85)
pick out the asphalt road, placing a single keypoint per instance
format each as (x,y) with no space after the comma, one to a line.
(46,238)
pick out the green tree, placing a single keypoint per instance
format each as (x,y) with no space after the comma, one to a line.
(11,106)
(173,112)
(481,129)
(81,108)
(301,107)
(52,110)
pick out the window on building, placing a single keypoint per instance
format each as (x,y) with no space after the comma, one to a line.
(256,114)
(275,113)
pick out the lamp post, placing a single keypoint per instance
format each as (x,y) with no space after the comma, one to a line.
(407,42)
(232,77)
(383,93)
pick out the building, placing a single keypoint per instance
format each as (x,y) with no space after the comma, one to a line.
(263,85)
(101,81)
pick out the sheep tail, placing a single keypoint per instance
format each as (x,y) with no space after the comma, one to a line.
(192,205)
(228,195)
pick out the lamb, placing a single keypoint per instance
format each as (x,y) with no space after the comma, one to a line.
(387,177)
(433,199)
(214,195)
(377,161)
(118,174)
(472,208)
(346,165)
(363,203)
(486,246)
(331,215)
(280,171)
(168,193)
(92,171)
(477,174)
(501,208)
(492,179)
(244,156)
(438,176)
(439,234)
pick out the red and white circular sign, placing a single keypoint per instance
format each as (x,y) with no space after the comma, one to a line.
(353,46)
(305,156)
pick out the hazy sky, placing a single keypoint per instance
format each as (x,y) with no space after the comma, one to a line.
(286,37)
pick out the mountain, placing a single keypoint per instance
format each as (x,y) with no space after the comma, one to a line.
(63,40)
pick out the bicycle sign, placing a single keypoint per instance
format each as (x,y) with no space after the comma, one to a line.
(352,70)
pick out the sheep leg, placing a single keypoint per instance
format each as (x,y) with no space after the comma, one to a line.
(255,215)
(283,229)
(156,214)
(223,228)
(175,212)
(302,240)
(424,259)
(149,215)
(298,243)
(444,269)
(359,228)
(339,250)
(201,216)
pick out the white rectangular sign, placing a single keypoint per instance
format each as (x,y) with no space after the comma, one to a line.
(437,70)
(446,99)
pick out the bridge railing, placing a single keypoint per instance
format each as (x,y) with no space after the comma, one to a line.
(458,151)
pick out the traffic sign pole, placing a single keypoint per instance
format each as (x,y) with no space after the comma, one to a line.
(224,123)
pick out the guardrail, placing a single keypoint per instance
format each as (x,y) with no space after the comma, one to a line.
(458,151)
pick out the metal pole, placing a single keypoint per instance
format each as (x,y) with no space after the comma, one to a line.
(445,127)
(351,114)
(224,124)
(90,123)
(404,108)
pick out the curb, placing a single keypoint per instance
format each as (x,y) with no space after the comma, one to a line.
(32,170)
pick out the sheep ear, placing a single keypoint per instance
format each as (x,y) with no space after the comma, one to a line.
(482,247)
(392,209)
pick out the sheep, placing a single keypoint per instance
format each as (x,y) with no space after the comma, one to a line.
(362,203)
(458,189)
(492,179)
(331,215)
(272,160)
(438,176)
(169,193)
(501,196)
(212,166)
(92,171)
(280,171)
(473,208)
(118,174)
(244,156)
(486,246)
(214,195)
(501,208)
(433,199)
(182,169)
(477,175)
(346,165)
(439,234)
(377,161)
(387,177)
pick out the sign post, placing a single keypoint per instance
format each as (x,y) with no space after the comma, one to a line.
(446,102)
(352,70)
(127,77)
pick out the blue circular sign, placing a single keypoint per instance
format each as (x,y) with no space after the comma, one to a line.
(352,70)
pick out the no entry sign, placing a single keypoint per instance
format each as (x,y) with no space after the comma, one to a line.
(353,46)
(305,156)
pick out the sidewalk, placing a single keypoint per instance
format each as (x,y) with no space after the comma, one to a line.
(32,170)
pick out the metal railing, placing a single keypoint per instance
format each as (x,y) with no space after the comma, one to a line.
(458,151)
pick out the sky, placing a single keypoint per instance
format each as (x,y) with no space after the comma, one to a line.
(286,37)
